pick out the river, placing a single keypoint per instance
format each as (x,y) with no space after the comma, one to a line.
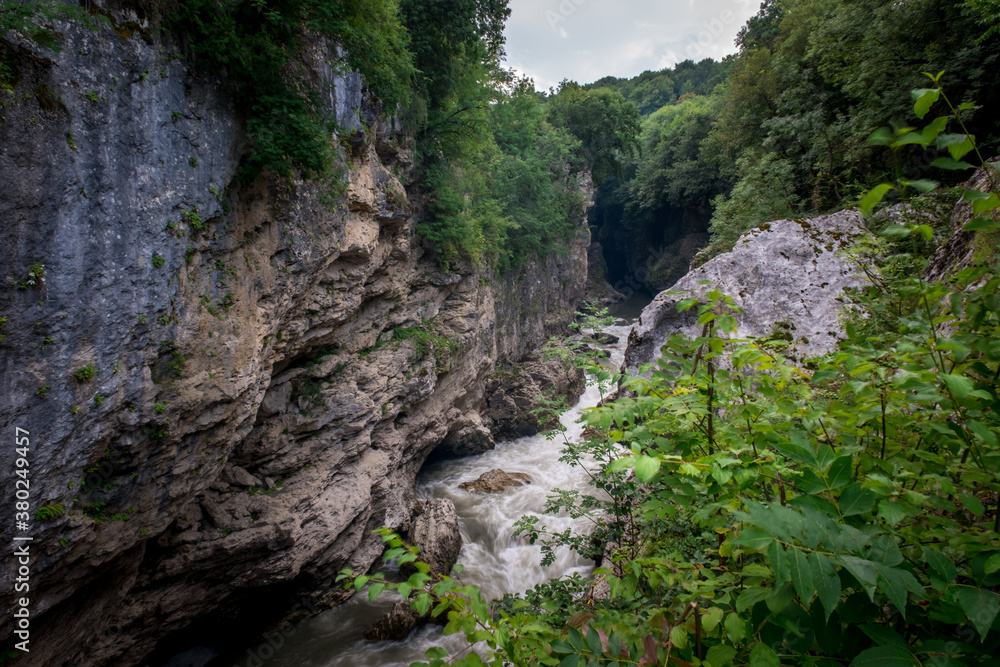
(492,557)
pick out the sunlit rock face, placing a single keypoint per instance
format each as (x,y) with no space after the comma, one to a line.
(787,276)
(271,363)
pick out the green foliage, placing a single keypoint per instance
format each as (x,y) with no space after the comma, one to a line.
(158,261)
(85,373)
(49,512)
(604,122)
(257,50)
(36,275)
(33,20)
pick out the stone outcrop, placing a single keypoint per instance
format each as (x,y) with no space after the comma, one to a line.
(787,277)
(436,532)
(599,290)
(959,251)
(495,481)
(228,386)
(511,395)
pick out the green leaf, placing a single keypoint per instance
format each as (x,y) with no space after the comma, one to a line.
(891,512)
(779,562)
(763,655)
(802,577)
(873,197)
(753,539)
(924,100)
(841,473)
(375,591)
(923,185)
(686,304)
(885,656)
(960,385)
(751,596)
(720,655)
(856,500)
(570,661)
(883,136)
(896,232)
(883,635)
(594,641)
(560,646)
(981,224)
(950,164)
(971,503)
(981,606)
(646,468)
(992,564)
(925,231)
(895,583)
(736,628)
(941,564)
(827,582)
(863,570)
(981,206)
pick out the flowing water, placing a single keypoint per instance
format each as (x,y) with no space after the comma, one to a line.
(493,559)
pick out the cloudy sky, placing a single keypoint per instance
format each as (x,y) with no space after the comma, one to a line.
(584,40)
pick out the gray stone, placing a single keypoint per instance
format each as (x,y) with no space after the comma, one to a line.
(436,532)
(786,275)
(495,481)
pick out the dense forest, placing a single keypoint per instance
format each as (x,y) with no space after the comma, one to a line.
(781,129)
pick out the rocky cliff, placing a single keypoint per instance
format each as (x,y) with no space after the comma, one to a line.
(227,386)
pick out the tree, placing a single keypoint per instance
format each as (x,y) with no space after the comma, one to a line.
(605,123)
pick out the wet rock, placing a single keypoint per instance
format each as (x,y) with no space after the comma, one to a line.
(495,481)
(602,338)
(468,437)
(787,276)
(396,624)
(436,532)
(513,395)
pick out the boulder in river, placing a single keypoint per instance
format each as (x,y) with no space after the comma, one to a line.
(436,532)
(495,481)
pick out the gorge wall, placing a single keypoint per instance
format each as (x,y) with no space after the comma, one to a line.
(227,387)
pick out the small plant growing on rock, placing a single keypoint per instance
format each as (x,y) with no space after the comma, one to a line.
(49,512)
(85,373)
(193,161)
(160,408)
(158,261)
(92,96)
(36,274)
(42,391)
(98,399)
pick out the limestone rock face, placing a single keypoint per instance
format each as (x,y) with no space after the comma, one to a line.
(257,403)
(468,436)
(495,481)
(512,395)
(787,277)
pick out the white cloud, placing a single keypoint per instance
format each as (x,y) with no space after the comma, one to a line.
(584,40)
